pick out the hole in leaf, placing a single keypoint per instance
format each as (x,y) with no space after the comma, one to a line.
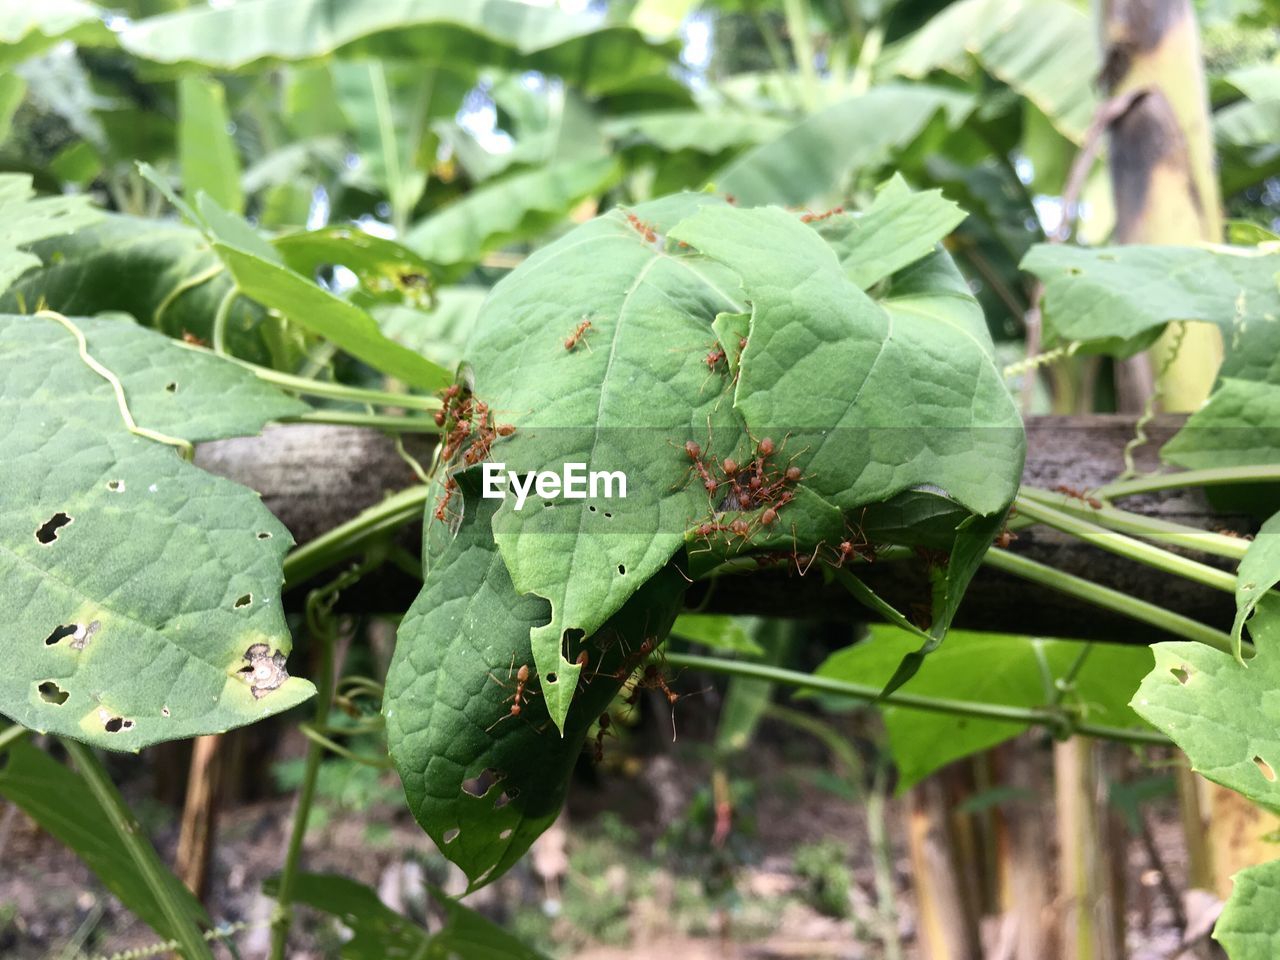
(47,532)
(50,692)
(264,535)
(264,671)
(551,678)
(503,799)
(1265,769)
(505,834)
(244,601)
(61,633)
(451,835)
(115,486)
(608,515)
(1181,674)
(171,387)
(164,712)
(622,570)
(84,634)
(479,785)
(591,507)
(117,724)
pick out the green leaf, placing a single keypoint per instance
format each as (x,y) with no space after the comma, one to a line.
(817,154)
(1238,426)
(387,271)
(56,798)
(439,333)
(12,89)
(627,399)
(256,34)
(1045,50)
(378,932)
(899,228)
(909,400)
(986,668)
(1114,294)
(517,207)
(720,632)
(163,274)
(25,220)
(1246,928)
(482,782)
(699,130)
(28,28)
(1259,572)
(343,323)
(206,151)
(144,594)
(1221,712)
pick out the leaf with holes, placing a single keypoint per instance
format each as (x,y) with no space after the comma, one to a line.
(1258,574)
(482,777)
(379,933)
(143,595)
(1247,926)
(1224,714)
(24,220)
(627,396)
(56,798)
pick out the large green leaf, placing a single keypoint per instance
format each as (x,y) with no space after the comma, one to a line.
(872,404)
(1221,712)
(627,399)
(143,594)
(1043,49)
(702,130)
(341,322)
(163,274)
(1247,926)
(816,155)
(379,933)
(1122,293)
(991,669)
(58,800)
(25,220)
(517,207)
(482,782)
(206,150)
(1238,426)
(255,34)
(1259,572)
(440,333)
(28,28)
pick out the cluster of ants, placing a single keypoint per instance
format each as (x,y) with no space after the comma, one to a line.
(465,422)
(634,675)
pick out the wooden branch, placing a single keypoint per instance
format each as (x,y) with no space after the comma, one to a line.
(315,477)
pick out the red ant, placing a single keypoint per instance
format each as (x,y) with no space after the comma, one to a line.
(602,730)
(1078,494)
(517,699)
(814,217)
(644,229)
(715,356)
(1004,538)
(578,336)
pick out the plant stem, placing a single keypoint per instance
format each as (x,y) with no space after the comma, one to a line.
(354,418)
(1107,598)
(332,391)
(350,538)
(160,881)
(797,14)
(323,630)
(1055,719)
(11,735)
(1124,546)
(221,317)
(1177,534)
(1209,477)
